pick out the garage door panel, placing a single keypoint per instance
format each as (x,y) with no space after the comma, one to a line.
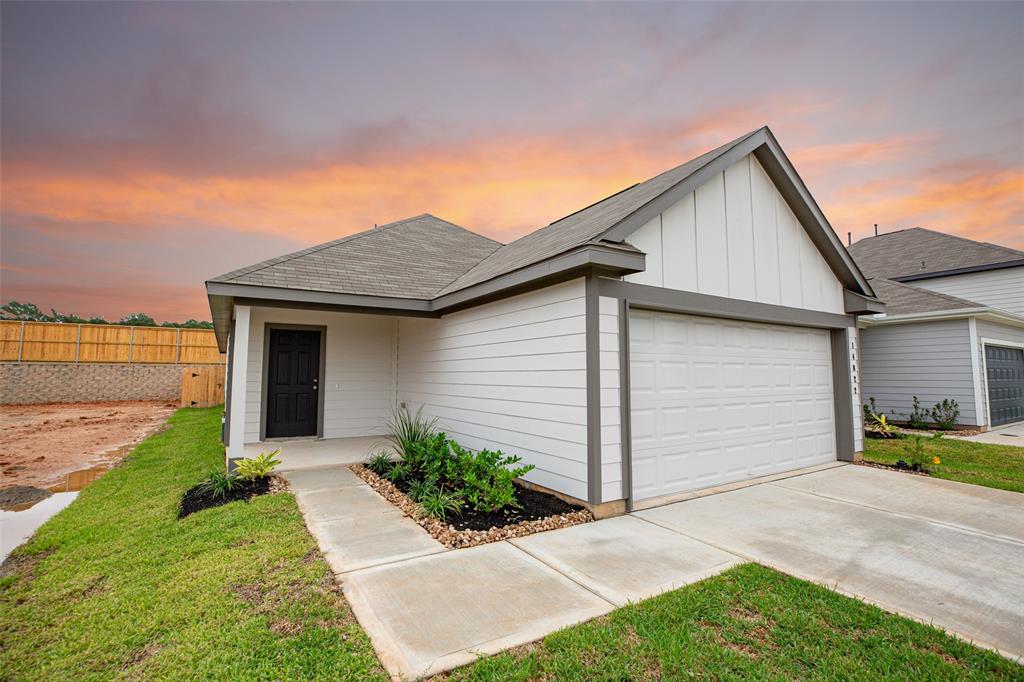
(716,401)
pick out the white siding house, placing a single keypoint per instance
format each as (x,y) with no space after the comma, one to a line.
(694,330)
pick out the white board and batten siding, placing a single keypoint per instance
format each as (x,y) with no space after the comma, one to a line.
(359,369)
(735,236)
(931,360)
(508,375)
(1003,289)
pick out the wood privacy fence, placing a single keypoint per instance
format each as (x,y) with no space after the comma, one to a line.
(57,342)
(202,386)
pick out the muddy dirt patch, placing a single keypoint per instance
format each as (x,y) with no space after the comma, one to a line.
(41,444)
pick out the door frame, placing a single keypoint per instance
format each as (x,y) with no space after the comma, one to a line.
(985,342)
(266,368)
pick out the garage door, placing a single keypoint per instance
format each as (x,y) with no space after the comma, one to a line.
(717,401)
(1004,369)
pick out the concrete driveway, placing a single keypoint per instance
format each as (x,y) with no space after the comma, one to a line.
(946,553)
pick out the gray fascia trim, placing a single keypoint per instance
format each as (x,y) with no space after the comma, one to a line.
(858,304)
(261,293)
(779,168)
(641,216)
(321,373)
(625,406)
(593,346)
(960,271)
(587,257)
(842,394)
(671,300)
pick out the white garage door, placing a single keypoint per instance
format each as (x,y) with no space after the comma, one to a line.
(716,401)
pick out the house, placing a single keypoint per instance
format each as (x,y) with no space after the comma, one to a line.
(953,325)
(693,330)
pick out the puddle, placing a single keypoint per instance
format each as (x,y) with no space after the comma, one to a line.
(20,521)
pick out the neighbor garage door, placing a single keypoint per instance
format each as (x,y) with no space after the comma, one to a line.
(716,401)
(1004,369)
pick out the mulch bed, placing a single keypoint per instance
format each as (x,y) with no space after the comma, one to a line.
(900,466)
(539,512)
(196,499)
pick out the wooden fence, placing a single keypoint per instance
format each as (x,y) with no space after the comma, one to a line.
(202,386)
(56,342)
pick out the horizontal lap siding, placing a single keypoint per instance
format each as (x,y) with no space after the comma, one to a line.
(359,370)
(508,375)
(997,288)
(931,360)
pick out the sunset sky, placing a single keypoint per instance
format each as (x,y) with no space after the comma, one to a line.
(147,147)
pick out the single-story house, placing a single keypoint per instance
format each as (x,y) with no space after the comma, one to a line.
(693,330)
(953,326)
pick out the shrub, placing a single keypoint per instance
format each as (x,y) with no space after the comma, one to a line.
(397,472)
(257,467)
(484,478)
(916,454)
(428,457)
(219,484)
(918,418)
(406,428)
(439,504)
(421,489)
(379,463)
(946,413)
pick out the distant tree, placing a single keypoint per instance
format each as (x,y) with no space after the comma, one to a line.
(70,318)
(96,320)
(138,320)
(190,324)
(22,311)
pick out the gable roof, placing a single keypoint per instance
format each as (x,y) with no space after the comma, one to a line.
(905,299)
(411,258)
(586,225)
(917,253)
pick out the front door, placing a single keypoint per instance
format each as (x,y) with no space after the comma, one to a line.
(1005,371)
(293,377)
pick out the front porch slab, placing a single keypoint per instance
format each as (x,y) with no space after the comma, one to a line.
(313,453)
(626,559)
(323,478)
(438,612)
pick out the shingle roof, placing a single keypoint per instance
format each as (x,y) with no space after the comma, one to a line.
(905,299)
(583,226)
(918,251)
(411,258)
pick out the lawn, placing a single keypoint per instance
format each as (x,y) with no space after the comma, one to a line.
(995,466)
(115,586)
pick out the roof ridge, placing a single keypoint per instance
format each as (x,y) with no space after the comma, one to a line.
(464,229)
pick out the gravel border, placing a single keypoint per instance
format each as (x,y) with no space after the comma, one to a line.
(448,535)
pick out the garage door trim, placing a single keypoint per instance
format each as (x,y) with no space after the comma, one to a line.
(644,297)
(985,343)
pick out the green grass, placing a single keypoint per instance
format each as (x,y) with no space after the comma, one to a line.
(994,466)
(748,623)
(115,586)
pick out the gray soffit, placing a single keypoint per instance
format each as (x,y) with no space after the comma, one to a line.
(917,253)
(858,304)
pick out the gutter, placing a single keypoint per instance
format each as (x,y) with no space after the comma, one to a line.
(983,313)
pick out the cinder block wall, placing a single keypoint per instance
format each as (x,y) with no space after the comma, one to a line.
(59,382)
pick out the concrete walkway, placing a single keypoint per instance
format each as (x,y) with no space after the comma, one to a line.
(1001,435)
(938,551)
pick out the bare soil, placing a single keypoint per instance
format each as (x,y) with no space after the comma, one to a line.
(41,444)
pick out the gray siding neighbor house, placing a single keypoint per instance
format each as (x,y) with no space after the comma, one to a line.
(692,330)
(953,325)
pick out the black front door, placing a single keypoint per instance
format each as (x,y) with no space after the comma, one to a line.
(1005,371)
(293,377)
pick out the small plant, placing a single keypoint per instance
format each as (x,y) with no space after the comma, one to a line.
(407,428)
(219,484)
(946,413)
(916,454)
(918,418)
(397,472)
(883,426)
(418,490)
(869,410)
(485,478)
(440,504)
(258,467)
(379,463)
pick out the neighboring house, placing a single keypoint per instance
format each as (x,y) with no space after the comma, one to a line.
(953,325)
(692,330)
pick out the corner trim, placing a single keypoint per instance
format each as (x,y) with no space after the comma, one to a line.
(674,301)
(842,394)
(977,353)
(625,406)
(593,345)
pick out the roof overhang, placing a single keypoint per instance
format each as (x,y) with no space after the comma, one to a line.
(601,258)
(763,145)
(960,271)
(859,304)
(987,314)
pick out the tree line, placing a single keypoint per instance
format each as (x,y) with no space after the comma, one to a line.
(29,312)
